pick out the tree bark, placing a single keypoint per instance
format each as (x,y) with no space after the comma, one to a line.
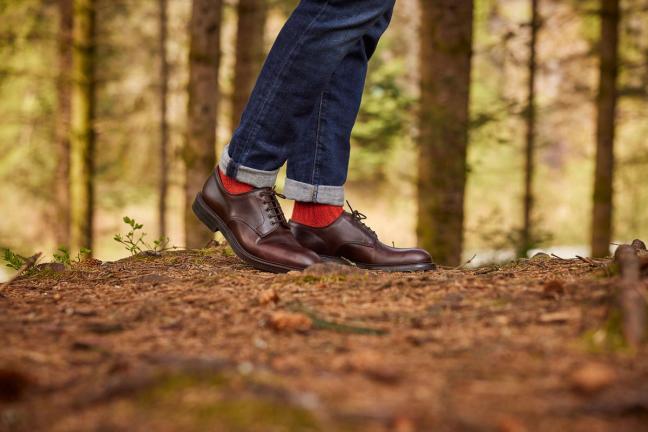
(63,113)
(199,151)
(605,128)
(445,66)
(83,116)
(164,124)
(526,238)
(250,50)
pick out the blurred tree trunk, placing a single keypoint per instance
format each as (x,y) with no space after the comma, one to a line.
(605,128)
(445,62)
(250,49)
(63,108)
(83,116)
(199,152)
(527,240)
(164,124)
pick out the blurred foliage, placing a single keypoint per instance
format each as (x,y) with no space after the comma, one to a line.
(13,260)
(384,118)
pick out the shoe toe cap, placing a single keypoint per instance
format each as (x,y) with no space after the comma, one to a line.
(418,256)
(305,258)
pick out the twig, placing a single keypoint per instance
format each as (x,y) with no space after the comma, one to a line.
(487,269)
(587,260)
(467,262)
(322,324)
(560,258)
(28,264)
(631,298)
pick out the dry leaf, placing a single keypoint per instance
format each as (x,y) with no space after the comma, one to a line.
(592,377)
(268,296)
(554,288)
(288,321)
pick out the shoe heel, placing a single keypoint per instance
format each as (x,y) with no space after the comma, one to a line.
(203,213)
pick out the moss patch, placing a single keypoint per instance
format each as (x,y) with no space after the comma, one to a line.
(221,402)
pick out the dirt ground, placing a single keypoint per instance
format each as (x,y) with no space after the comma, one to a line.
(198,341)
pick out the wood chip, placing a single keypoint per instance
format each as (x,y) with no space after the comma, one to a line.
(560,316)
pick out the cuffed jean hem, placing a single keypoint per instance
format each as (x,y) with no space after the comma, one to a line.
(321,194)
(252,176)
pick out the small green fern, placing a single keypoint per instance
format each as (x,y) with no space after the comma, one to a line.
(13,260)
(134,241)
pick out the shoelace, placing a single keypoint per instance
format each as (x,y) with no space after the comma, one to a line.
(359,217)
(273,207)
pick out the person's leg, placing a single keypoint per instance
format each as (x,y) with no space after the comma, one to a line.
(318,35)
(318,163)
(310,47)
(317,170)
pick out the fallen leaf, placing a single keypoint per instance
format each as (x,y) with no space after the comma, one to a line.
(289,321)
(553,288)
(268,296)
(592,377)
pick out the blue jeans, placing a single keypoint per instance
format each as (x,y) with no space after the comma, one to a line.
(306,100)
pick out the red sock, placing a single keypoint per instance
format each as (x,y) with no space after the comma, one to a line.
(315,215)
(234,186)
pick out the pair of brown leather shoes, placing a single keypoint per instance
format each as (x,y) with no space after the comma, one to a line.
(256,229)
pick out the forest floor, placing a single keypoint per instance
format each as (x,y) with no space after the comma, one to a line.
(196,340)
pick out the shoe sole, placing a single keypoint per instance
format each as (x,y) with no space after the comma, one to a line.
(212,221)
(421,267)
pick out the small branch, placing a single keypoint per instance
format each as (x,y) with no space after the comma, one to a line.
(631,297)
(560,258)
(587,260)
(323,324)
(466,263)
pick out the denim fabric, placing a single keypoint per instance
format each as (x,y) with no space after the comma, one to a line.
(318,163)
(306,99)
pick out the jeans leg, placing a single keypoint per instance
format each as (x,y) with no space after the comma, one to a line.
(318,164)
(316,38)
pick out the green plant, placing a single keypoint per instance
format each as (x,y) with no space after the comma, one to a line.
(83,253)
(62,255)
(13,260)
(134,241)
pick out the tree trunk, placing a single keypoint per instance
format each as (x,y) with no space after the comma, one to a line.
(605,128)
(63,107)
(83,116)
(526,238)
(250,50)
(164,124)
(445,63)
(199,152)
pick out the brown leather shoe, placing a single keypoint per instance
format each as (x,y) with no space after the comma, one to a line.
(254,226)
(349,238)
